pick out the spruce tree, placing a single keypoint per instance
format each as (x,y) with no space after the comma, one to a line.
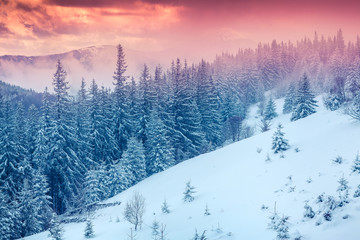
(208,105)
(134,161)
(283,229)
(188,193)
(155,230)
(290,99)
(64,169)
(121,117)
(165,207)
(305,102)
(356,166)
(55,229)
(343,190)
(279,143)
(270,110)
(187,132)
(159,152)
(89,231)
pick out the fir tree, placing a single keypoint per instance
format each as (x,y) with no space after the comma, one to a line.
(159,152)
(121,118)
(208,105)
(356,166)
(89,231)
(64,169)
(290,99)
(6,218)
(188,193)
(357,192)
(155,230)
(305,102)
(270,110)
(187,132)
(283,229)
(165,207)
(279,143)
(207,211)
(55,229)
(343,190)
(309,213)
(134,161)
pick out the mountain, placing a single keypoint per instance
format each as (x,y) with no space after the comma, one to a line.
(243,184)
(17,93)
(97,62)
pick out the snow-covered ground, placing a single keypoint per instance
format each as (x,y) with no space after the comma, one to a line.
(236,181)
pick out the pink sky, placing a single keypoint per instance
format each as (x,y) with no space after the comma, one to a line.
(204,27)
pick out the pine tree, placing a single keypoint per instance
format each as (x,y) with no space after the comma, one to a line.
(188,193)
(155,227)
(357,192)
(121,118)
(279,143)
(187,132)
(356,166)
(309,213)
(270,110)
(343,190)
(283,229)
(89,231)
(165,207)
(305,102)
(55,229)
(207,211)
(159,151)
(6,223)
(134,161)
(290,99)
(64,169)
(208,104)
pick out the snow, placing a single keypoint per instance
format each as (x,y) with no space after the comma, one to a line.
(236,181)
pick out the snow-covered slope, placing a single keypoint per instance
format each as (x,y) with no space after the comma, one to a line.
(236,181)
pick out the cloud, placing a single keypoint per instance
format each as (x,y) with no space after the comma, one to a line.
(4,30)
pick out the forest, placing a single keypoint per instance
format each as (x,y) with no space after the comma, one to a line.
(71,151)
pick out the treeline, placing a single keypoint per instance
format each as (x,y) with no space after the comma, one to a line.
(76,150)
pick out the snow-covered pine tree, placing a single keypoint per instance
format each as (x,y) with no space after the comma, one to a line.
(133,161)
(55,229)
(187,132)
(165,207)
(357,192)
(64,170)
(356,166)
(188,193)
(270,110)
(155,230)
(283,229)
(264,124)
(305,102)
(28,210)
(82,129)
(309,213)
(89,229)
(290,99)
(92,190)
(121,117)
(343,190)
(101,137)
(208,105)
(159,152)
(279,143)
(207,211)
(146,104)
(6,218)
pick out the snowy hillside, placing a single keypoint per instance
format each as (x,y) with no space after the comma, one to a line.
(236,181)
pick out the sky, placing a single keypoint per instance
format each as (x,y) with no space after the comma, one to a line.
(204,27)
